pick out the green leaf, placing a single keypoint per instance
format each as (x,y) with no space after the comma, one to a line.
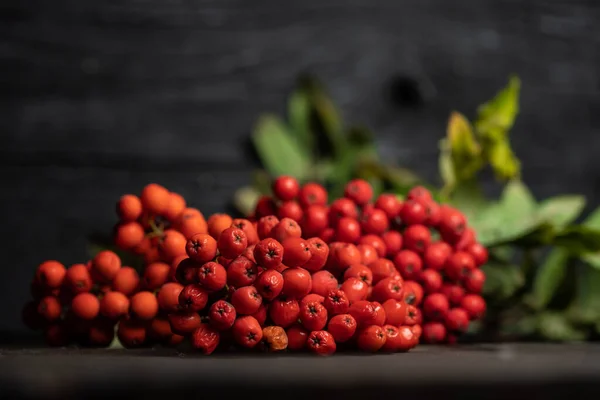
(501,111)
(593,220)
(299,116)
(556,326)
(503,160)
(261,180)
(502,280)
(560,211)
(549,277)
(446,167)
(466,152)
(468,198)
(585,307)
(245,199)
(277,150)
(518,200)
(579,239)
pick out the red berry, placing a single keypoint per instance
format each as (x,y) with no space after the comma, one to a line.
(156,275)
(368,253)
(193,297)
(417,331)
(342,327)
(247,332)
(319,252)
(359,190)
(269,284)
(297,337)
(265,226)
(312,194)
(393,243)
(232,242)
(291,210)
(432,281)
(457,320)
(265,206)
(459,265)
(359,271)
(327,235)
(184,322)
(129,208)
(413,316)
(268,253)
(50,274)
(395,312)
(434,332)
(436,306)
(86,306)
(248,228)
(114,305)
(205,338)
(315,220)
(323,282)
(286,188)
(376,242)
(474,281)
(355,289)
(286,228)
(413,213)
(365,313)
(474,305)
(312,297)
(187,271)
(336,302)
(241,272)
(131,333)
(347,230)
(222,315)
(77,279)
(467,238)
(201,247)
(371,339)
(284,312)
(261,314)
(212,276)
(436,255)
(49,308)
(321,343)
(168,297)
(408,263)
(144,305)
(381,269)
(452,224)
(297,283)
(296,252)
(341,208)
(380,316)
(453,292)
(413,293)
(478,252)
(387,288)
(374,222)
(433,212)
(408,340)
(389,204)
(417,238)
(246,300)
(419,193)
(342,255)
(313,316)
(393,341)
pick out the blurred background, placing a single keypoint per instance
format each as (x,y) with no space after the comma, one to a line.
(101,98)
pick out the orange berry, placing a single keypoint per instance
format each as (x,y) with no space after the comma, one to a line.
(172,245)
(105,266)
(49,308)
(50,274)
(143,246)
(78,279)
(168,296)
(174,265)
(160,329)
(175,206)
(85,306)
(126,281)
(190,221)
(144,305)
(101,333)
(201,248)
(156,275)
(129,208)
(155,198)
(114,305)
(217,223)
(129,235)
(152,255)
(131,333)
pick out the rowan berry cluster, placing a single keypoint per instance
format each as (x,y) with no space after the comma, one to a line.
(298,275)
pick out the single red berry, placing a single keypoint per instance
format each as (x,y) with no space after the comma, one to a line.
(359,271)
(265,226)
(49,308)
(375,241)
(413,316)
(193,297)
(248,228)
(313,316)
(457,320)
(321,343)
(315,220)
(390,204)
(419,193)
(297,337)
(453,292)
(409,264)
(77,279)
(184,322)
(388,288)
(395,312)
(323,282)
(417,238)
(380,317)
(436,255)
(296,252)
(359,191)
(407,340)
(286,188)
(246,300)
(205,338)
(291,210)
(50,274)
(374,222)
(368,253)
(341,208)
(342,327)
(312,297)
(168,296)
(241,272)
(187,271)
(247,332)
(319,252)
(312,194)
(156,275)
(478,252)
(114,305)
(131,333)
(413,293)
(342,255)
(417,331)
(144,305)
(269,284)
(474,305)
(261,314)
(286,228)
(413,213)
(434,332)
(85,306)
(364,312)
(297,283)
(222,315)
(381,269)
(232,242)
(371,338)
(475,281)
(347,230)
(327,235)
(129,208)
(467,238)
(459,265)
(356,289)
(336,302)
(284,312)
(249,253)
(432,281)
(126,281)
(436,306)
(268,253)
(393,340)
(171,245)
(201,247)
(452,224)
(212,276)
(393,243)
(265,206)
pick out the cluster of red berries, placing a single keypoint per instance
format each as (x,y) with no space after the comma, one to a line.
(299,274)
(417,253)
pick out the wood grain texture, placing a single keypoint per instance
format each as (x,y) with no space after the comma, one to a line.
(99,98)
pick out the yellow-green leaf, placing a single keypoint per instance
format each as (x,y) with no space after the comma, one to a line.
(299,115)
(502,159)
(549,277)
(446,166)
(561,210)
(501,111)
(555,326)
(466,152)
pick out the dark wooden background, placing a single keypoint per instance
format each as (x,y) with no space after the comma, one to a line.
(100,98)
